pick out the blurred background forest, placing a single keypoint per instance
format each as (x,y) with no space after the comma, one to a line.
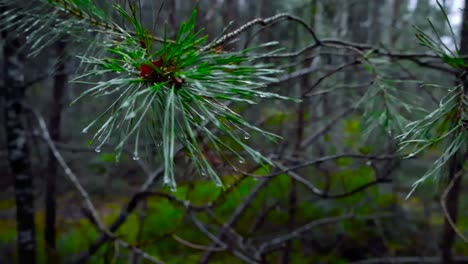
(337,190)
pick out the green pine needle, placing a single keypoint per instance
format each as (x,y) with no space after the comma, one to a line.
(172,93)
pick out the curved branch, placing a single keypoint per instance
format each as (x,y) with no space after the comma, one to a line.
(300,230)
(264,22)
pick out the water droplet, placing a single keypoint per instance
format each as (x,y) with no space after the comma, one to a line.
(98,149)
(136,157)
(368,163)
(166,180)
(262,95)
(241,161)
(84,131)
(130,116)
(203,173)
(411,155)
(246,135)
(219,184)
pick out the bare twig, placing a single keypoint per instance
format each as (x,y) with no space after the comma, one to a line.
(328,74)
(217,240)
(324,221)
(325,195)
(334,157)
(263,22)
(236,214)
(326,128)
(75,148)
(443,200)
(195,246)
(68,172)
(84,194)
(139,252)
(406,260)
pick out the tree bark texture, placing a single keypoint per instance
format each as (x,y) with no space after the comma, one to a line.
(56,107)
(17,148)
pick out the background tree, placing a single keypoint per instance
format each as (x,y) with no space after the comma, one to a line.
(56,109)
(17,144)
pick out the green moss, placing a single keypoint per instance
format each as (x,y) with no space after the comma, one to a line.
(7,204)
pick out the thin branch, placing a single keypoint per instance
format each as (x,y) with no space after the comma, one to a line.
(196,246)
(443,200)
(139,252)
(335,157)
(264,22)
(291,54)
(294,75)
(68,172)
(326,128)
(133,202)
(328,74)
(406,260)
(76,148)
(236,214)
(344,87)
(216,240)
(93,213)
(205,231)
(105,26)
(325,195)
(324,221)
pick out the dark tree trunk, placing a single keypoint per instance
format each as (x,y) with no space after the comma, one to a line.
(396,15)
(292,206)
(230,12)
(301,123)
(358,12)
(375,29)
(172,9)
(455,164)
(448,234)
(56,106)
(18,151)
